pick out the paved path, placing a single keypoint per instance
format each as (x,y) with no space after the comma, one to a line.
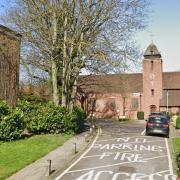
(123,152)
(60,157)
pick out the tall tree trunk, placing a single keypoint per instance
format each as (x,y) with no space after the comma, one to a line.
(54,61)
(64,83)
(73,96)
(74,88)
(54,81)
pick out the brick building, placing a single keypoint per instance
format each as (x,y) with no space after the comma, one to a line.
(9,64)
(118,95)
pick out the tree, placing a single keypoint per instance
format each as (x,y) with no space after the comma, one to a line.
(63,37)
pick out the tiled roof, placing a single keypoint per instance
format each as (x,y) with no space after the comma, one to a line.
(152,51)
(173,98)
(171,80)
(114,83)
(9,32)
(122,83)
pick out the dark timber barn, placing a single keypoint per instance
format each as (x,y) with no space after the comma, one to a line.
(9,64)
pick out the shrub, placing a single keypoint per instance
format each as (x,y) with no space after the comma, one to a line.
(11,125)
(38,118)
(178,163)
(178,122)
(45,118)
(174,120)
(140,115)
(78,117)
(123,119)
(4,109)
(30,97)
(48,118)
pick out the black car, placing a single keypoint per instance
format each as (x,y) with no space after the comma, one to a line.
(157,125)
(156,113)
(160,114)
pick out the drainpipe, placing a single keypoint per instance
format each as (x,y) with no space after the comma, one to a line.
(167,98)
(140,102)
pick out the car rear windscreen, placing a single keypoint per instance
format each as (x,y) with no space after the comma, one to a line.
(158,120)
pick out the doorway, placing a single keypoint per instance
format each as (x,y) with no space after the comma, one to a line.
(153,108)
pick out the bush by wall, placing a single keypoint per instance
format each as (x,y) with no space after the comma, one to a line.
(11,123)
(178,122)
(4,109)
(140,115)
(78,117)
(178,163)
(38,118)
(123,119)
(48,118)
(174,120)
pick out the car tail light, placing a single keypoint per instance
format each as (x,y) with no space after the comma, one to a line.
(165,125)
(149,124)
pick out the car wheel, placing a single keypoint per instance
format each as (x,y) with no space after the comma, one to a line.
(146,133)
(167,136)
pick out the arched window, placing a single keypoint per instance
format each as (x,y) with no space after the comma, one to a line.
(153,108)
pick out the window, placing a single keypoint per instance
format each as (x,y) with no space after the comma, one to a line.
(111,104)
(152,66)
(134,103)
(92,104)
(152,92)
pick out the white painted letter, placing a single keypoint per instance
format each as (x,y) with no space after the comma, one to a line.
(123,139)
(116,146)
(127,146)
(138,158)
(97,145)
(100,172)
(105,154)
(117,155)
(117,174)
(145,148)
(127,156)
(140,140)
(156,148)
(87,176)
(137,176)
(106,146)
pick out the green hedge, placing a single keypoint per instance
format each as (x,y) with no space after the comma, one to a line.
(48,118)
(11,123)
(78,117)
(38,118)
(178,122)
(140,115)
(4,109)
(178,163)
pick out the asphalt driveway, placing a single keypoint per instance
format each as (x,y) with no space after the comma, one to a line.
(123,152)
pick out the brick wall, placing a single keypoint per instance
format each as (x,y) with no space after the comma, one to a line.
(9,65)
(152,81)
(110,105)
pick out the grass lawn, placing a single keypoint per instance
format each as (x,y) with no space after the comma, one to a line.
(176,148)
(18,154)
(176,145)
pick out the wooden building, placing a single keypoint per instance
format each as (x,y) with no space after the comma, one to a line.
(9,64)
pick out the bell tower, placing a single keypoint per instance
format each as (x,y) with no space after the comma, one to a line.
(152,80)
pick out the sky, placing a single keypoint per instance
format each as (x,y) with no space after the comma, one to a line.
(163,28)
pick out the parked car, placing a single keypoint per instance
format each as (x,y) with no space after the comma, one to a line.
(156,113)
(157,125)
(160,114)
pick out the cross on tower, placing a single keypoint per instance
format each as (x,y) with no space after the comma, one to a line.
(152,37)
